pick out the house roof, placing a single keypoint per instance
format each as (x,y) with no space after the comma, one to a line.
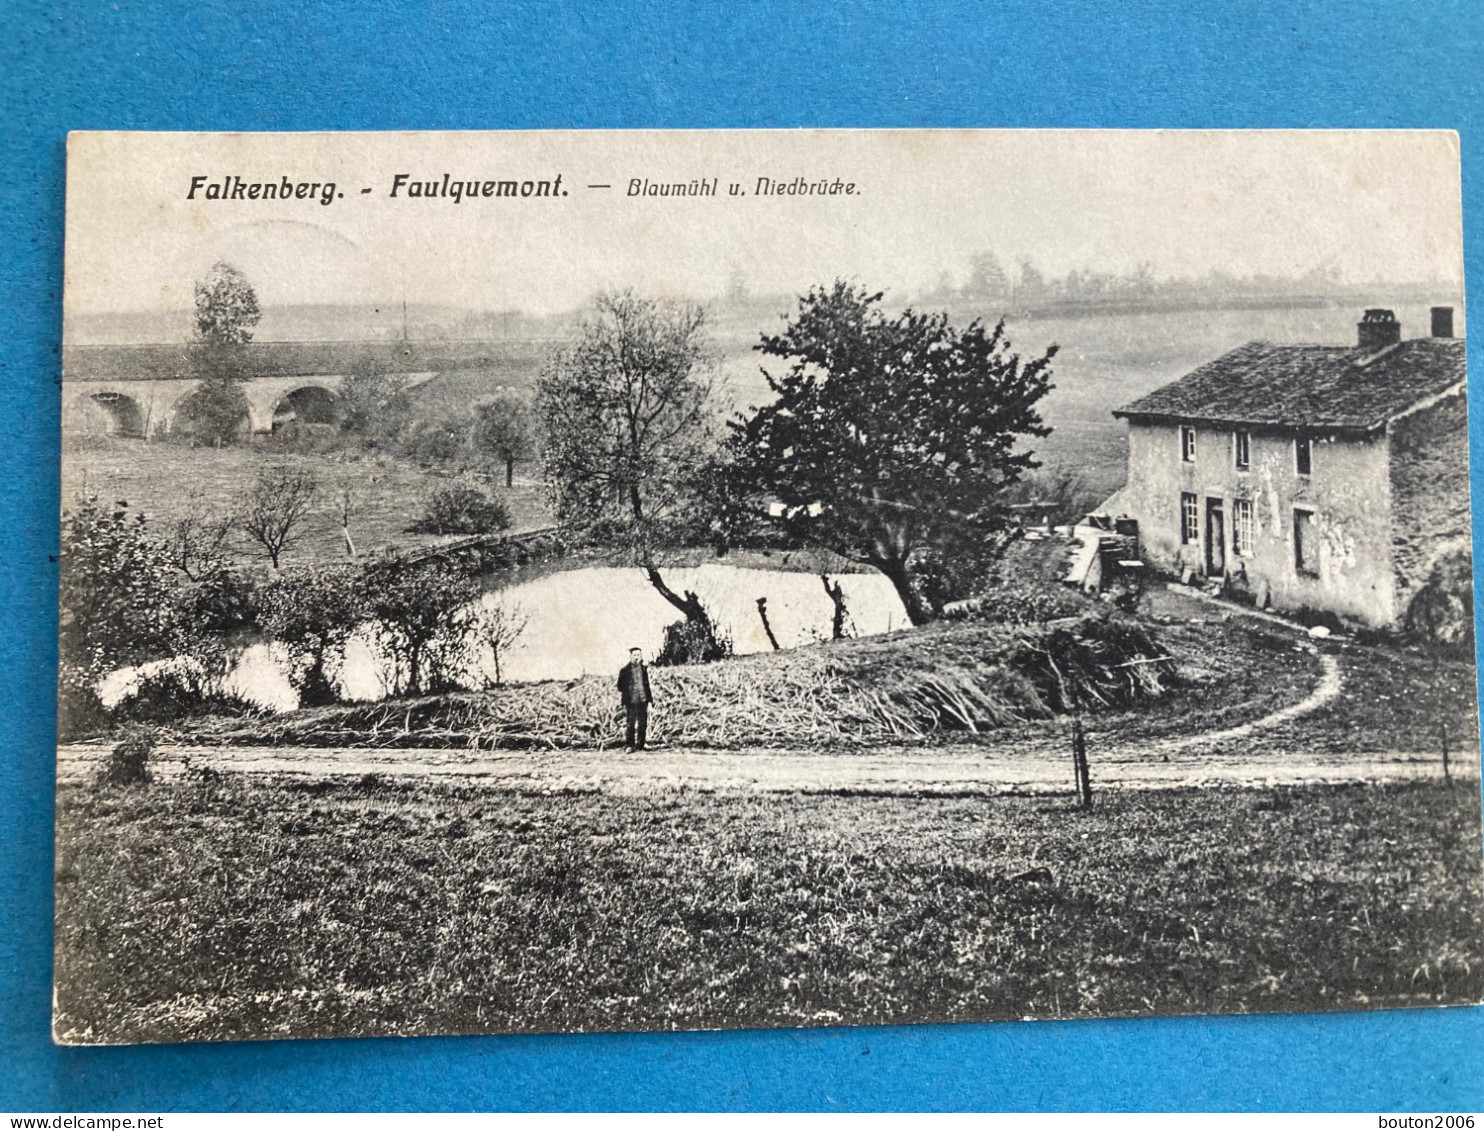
(1339,388)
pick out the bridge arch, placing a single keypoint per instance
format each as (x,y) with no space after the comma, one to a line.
(276,401)
(107,412)
(307,404)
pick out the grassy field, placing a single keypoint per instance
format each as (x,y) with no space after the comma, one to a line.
(164,481)
(218,908)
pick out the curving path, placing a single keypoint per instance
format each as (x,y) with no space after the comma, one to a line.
(1331,682)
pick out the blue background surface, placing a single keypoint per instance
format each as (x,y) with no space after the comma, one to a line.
(296,66)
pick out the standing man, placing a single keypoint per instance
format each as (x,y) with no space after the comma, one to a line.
(633,688)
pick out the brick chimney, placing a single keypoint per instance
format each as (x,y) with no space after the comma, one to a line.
(1442,321)
(1377,330)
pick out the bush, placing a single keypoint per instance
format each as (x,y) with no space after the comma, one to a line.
(300,437)
(418,608)
(1020,605)
(177,690)
(1442,613)
(79,709)
(312,611)
(461,510)
(375,406)
(221,601)
(128,762)
(214,412)
(433,443)
(118,605)
(127,601)
(692,642)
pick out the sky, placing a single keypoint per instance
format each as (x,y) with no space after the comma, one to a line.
(1363,205)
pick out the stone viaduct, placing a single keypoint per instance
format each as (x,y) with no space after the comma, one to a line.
(147,407)
(137,390)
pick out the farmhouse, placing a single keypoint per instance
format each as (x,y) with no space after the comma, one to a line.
(1329,478)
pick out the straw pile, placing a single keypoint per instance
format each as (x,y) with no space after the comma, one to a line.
(907,686)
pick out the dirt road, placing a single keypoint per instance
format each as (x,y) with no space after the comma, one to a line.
(950,770)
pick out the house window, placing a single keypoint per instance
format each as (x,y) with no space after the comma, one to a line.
(1190,518)
(1187,443)
(1242,527)
(1242,446)
(1303,456)
(1305,543)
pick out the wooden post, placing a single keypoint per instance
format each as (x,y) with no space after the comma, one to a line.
(1080,772)
(1079,759)
(1437,685)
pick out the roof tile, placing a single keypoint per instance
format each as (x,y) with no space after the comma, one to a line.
(1337,387)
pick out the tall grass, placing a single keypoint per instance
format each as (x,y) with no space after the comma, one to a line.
(213,908)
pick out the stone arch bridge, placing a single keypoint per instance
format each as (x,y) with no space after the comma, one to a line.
(147,407)
(138,390)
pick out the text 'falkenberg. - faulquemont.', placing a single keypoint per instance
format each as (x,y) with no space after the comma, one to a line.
(404,187)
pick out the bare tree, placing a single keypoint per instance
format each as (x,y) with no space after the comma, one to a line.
(273,512)
(498,627)
(198,539)
(624,409)
(836,592)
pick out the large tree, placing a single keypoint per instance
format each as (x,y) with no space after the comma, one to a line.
(226,311)
(889,438)
(624,413)
(226,307)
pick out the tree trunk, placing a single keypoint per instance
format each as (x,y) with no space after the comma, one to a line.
(896,572)
(762,611)
(509,472)
(317,690)
(689,605)
(837,598)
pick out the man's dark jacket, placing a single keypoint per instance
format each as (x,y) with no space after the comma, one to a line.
(634,690)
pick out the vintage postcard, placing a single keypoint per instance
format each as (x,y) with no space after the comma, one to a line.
(567,581)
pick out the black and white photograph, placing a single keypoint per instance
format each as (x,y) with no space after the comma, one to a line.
(570,581)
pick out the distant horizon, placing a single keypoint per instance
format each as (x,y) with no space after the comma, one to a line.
(431,314)
(1343,208)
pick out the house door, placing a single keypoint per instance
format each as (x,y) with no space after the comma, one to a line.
(1215,538)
